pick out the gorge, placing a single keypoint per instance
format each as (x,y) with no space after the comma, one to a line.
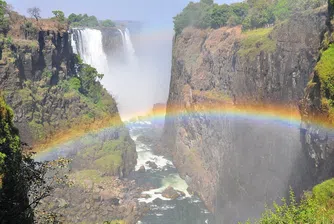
(248,116)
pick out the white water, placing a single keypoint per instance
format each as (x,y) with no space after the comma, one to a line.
(130,51)
(145,154)
(91,50)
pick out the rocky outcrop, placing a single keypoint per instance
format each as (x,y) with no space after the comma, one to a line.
(229,163)
(316,109)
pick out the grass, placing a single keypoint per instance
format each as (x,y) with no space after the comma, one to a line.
(81,176)
(325,70)
(110,162)
(255,41)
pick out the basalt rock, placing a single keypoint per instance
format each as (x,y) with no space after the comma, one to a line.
(233,164)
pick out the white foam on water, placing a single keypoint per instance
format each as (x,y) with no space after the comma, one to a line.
(145,155)
(173,180)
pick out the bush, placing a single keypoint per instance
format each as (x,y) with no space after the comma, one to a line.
(107,23)
(4,22)
(325,70)
(194,14)
(59,15)
(315,207)
(84,20)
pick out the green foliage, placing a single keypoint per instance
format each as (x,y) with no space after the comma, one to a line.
(251,14)
(110,162)
(83,20)
(13,193)
(75,84)
(4,22)
(46,73)
(255,41)
(194,14)
(90,86)
(315,207)
(59,15)
(259,15)
(325,70)
(107,23)
(29,29)
(219,15)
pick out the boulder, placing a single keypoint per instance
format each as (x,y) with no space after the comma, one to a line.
(142,169)
(151,164)
(170,193)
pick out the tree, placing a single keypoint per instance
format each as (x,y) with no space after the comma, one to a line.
(34,12)
(59,15)
(107,23)
(219,15)
(4,22)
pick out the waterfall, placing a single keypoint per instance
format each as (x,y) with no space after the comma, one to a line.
(130,51)
(113,54)
(88,44)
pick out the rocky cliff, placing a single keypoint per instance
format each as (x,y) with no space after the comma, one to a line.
(237,166)
(39,79)
(316,107)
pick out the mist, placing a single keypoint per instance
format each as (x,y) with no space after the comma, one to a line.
(142,79)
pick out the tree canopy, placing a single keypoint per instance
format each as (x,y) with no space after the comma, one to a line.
(4,23)
(250,14)
(79,20)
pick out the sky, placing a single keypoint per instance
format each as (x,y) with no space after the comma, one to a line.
(154,11)
(137,86)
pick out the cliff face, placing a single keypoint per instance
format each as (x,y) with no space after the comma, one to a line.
(38,77)
(238,166)
(316,106)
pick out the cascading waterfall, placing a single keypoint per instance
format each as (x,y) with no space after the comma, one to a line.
(121,72)
(130,51)
(88,44)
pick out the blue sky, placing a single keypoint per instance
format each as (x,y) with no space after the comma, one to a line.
(155,11)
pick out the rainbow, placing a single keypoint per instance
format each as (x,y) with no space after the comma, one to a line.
(280,115)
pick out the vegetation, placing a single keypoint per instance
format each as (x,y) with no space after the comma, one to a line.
(23,181)
(315,207)
(251,14)
(79,20)
(4,22)
(325,71)
(107,23)
(59,15)
(34,12)
(29,29)
(255,41)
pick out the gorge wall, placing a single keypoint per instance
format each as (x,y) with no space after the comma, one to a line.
(38,77)
(237,166)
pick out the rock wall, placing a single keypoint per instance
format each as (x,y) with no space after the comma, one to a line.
(238,166)
(315,108)
(35,77)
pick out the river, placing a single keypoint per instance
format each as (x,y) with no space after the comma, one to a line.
(185,210)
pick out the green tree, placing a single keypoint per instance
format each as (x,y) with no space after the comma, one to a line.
(239,12)
(59,15)
(259,14)
(194,14)
(4,22)
(219,15)
(107,23)
(14,201)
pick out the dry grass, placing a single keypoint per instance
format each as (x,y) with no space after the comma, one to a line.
(17,20)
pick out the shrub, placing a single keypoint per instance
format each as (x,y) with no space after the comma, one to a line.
(107,23)
(315,207)
(325,70)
